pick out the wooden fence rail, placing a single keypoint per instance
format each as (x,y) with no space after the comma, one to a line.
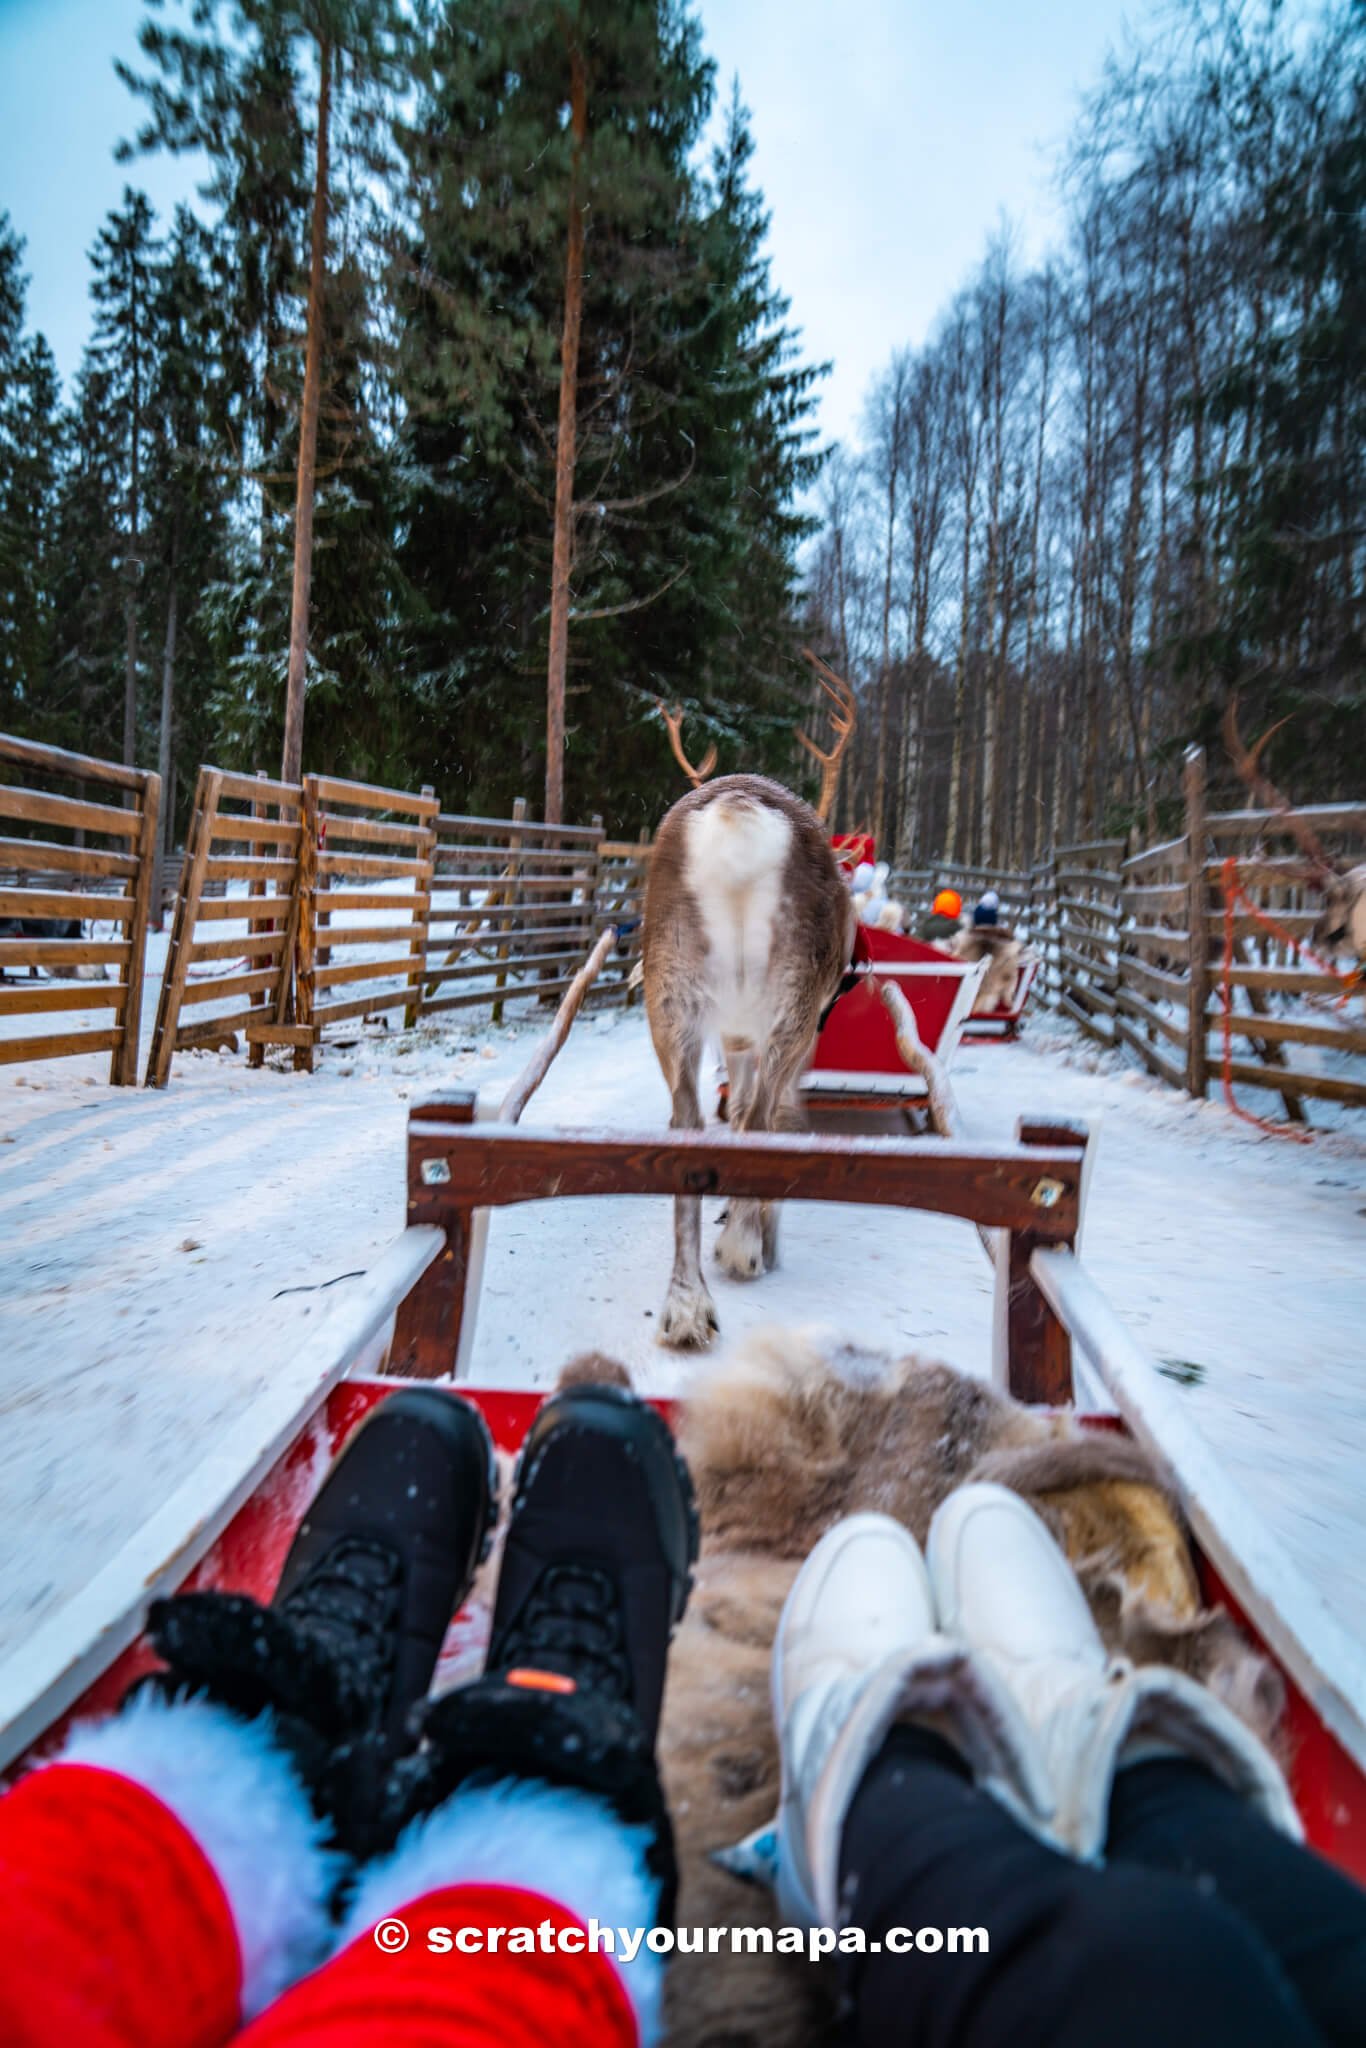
(78,857)
(306,907)
(1134,948)
(235,922)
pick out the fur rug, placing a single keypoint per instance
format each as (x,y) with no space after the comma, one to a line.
(783,1439)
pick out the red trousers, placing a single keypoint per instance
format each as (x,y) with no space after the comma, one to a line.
(117,1934)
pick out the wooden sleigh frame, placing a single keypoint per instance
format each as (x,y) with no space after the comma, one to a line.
(1000,1026)
(413,1318)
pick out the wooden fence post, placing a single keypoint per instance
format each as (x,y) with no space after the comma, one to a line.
(512,903)
(305,885)
(1197,901)
(198,843)
(421,921)
(256,1052)
(123,1069)
(594,884)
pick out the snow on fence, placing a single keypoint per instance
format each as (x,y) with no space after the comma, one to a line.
(95,860)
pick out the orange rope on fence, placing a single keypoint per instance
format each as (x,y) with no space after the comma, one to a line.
(1234,894)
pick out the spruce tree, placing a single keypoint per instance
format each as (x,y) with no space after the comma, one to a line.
(689,436)
(123,263)
(265,86)
(32,446)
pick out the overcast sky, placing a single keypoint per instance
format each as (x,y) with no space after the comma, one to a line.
(891,137)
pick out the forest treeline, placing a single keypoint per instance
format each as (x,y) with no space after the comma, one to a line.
(504,352)
(473,521)
(1113,488)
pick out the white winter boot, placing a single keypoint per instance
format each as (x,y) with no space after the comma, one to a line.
(857,1650)
(1002,1584)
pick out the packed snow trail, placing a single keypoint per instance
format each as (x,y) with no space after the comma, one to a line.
(148,1238)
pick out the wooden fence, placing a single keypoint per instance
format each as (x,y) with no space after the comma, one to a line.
(303,908)
(381,901)
(514,904)
(87,856)
(1139,951)
(235,922)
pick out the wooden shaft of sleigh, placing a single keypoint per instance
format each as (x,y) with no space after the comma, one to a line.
(456,1166)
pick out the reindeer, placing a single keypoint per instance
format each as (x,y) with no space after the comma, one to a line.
(1341,924)
(748,931)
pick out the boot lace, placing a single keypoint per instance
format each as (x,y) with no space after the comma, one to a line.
(572,1624)
(348,1601)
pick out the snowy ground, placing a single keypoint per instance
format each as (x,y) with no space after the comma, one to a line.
(150,1240)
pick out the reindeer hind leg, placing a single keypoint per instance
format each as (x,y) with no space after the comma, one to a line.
(786,1059)
(687,1321)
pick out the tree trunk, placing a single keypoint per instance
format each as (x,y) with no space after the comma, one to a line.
(167,705)
(133,567)
(880,828)
(566,447)
(291,765)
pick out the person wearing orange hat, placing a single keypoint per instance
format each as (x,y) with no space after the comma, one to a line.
(942,922)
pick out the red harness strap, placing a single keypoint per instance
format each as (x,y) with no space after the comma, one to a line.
(861,956)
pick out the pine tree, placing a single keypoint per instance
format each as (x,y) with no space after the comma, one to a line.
(189,489)
(123,261)
(32,446)
(245,83)
(86,686)
(689,434)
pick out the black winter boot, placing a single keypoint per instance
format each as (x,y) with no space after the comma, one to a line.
(595,1576)
(347,1647)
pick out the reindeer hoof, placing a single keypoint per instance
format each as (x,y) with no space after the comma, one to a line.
(688,1321)
(740,1247)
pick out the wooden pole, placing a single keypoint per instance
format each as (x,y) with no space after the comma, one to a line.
(538,1066)
(566,440)
(305,491)
(198,846)
(512,901)
(422,911)
(1197,896)
(124,1067)
(305,887)
(427,1323)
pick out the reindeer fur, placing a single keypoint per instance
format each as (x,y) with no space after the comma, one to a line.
(1005,956)
(789,1434)
(1341,926)
(748,928)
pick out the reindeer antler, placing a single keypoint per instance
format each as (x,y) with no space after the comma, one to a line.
(674,720)
(1249,767)
(843,719)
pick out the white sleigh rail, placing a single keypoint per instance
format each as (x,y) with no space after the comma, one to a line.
(1292,1616)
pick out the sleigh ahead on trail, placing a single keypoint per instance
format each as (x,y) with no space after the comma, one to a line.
(862,1062)
(413,1316)
(1005,1023)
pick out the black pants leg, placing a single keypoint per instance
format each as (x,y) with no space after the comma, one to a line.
(1175,1817)
(1078,1958)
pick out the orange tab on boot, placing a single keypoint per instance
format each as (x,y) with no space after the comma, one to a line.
(540,1681)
